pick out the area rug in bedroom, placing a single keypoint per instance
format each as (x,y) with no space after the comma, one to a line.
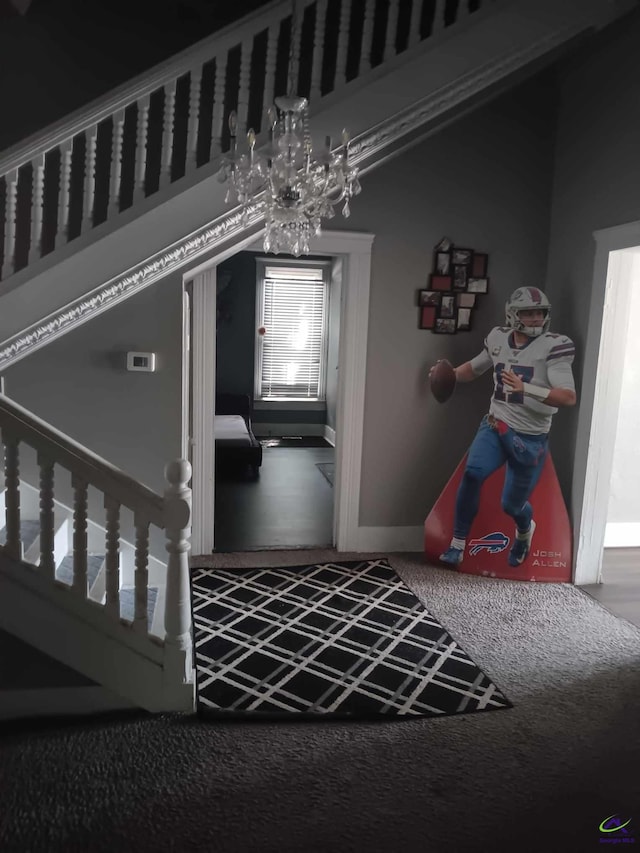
(344,639)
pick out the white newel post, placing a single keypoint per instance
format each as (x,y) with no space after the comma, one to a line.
(177,614)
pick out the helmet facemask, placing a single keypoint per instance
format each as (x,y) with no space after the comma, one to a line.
(528,299)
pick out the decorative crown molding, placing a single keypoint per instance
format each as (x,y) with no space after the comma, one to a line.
(368,151)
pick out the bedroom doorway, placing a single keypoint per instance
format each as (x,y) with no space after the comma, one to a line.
(278,331)
(354,252)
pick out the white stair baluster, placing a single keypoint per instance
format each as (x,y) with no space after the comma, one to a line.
(438,17)
(217,118)
(80,501)
(47,559)
(62,230)
(90,178)
(269,74)
(392,30)
(414,26)
(194,118)
(243,85)
(367,36)
(141,575)
(112,558)
(343,44)
(177,614)
(115,180)
(141,147)
(8,263)
(37,211)
(168,132)
(13,542)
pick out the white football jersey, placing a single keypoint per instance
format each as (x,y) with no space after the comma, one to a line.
(544,361)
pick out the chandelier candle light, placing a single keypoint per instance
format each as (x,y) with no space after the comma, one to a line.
(294,189)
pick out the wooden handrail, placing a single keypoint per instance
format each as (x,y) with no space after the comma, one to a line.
(74,457)
(145,83)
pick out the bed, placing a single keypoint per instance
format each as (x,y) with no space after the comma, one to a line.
(237,448)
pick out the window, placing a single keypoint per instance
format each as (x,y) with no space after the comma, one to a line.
(292,302)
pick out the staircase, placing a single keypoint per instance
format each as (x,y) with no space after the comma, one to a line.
(125,192)
(74,590)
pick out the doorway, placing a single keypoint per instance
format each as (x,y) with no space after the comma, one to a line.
(287,379)
(354,250)
(617,265)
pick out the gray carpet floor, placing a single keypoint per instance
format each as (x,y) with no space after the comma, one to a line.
(538,777)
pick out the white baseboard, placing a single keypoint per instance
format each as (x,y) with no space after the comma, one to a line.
(287,429)
(622,535)
(390,538)
(330,435)
(56,701)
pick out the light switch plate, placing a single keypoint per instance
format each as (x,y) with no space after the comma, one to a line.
(145,361)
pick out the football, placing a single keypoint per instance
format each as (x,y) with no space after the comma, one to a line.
(443,380)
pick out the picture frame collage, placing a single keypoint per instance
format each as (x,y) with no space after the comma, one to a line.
(459,276)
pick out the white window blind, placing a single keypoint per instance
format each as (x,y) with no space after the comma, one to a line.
(292,304)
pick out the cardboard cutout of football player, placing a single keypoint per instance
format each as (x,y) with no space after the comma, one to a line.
(532,378)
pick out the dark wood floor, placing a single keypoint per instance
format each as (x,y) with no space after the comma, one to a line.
(619,591)
(290,505)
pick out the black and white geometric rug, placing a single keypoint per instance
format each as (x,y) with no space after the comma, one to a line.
(339,639)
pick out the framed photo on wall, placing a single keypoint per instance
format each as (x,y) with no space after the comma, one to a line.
(428,317)
(439,282)
(460,277)
(442,264)
(464,319)
(479,265)
(466,300)
(461,256)
(429,297)
(445,326)
(448,306)
(478,285)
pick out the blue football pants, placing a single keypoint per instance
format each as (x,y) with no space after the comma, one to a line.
(486,455)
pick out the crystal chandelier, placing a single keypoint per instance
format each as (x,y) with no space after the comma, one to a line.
(294,189)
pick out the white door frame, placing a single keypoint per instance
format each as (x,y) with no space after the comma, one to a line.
(600,394)
(355,250)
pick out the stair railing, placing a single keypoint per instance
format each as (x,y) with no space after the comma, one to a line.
(170,122)
(171,513)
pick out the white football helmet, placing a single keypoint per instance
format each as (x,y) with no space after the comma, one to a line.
(527,298)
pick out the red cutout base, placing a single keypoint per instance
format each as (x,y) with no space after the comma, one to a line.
(550,557)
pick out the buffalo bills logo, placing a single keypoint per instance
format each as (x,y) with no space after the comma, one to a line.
(493,543)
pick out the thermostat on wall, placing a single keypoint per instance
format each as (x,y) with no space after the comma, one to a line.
(141,361)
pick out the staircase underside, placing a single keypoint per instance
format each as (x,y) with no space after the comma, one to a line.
(189,221)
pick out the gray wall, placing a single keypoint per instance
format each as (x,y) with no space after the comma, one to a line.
(80,385)
(596,185)
(484,182)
